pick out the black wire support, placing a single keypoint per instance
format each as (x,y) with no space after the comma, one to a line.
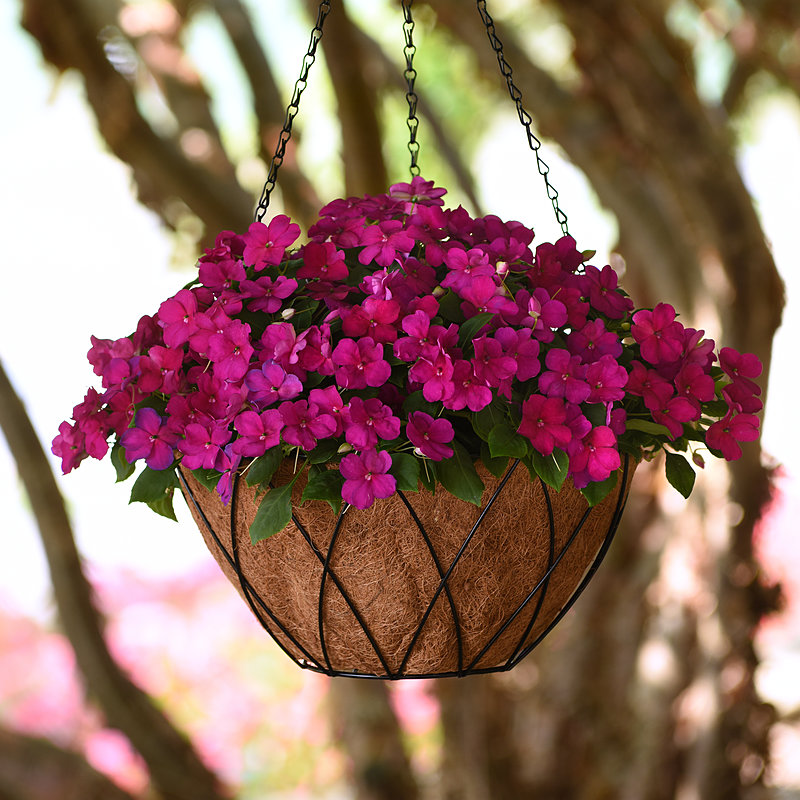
(410,74)
(524,117)
(531,604)
(291,111)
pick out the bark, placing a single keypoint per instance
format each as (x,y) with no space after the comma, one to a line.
(68,32)
(36,769)
(175,768)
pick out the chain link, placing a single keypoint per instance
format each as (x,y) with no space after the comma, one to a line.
(410,74)
(291,111)
(524,116)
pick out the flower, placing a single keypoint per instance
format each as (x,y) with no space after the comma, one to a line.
(402,335)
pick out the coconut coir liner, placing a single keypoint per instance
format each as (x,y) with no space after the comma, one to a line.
(381,561)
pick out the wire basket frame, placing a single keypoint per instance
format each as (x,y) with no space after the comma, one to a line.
(342,625)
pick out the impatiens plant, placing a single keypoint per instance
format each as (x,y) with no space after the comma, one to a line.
(401,347)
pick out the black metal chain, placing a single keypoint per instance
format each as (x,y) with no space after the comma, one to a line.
(524,116)
(291,111)
(410,75)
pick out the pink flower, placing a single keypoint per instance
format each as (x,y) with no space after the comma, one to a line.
(219,275)
(601,289)
(543,423)
(203,442)
(304,424)
(729,431)
(430,436)
(674,413)
(366,477)
(68,445)
(659,334)
(594,457)
(606,379)
(491,364)
(593,341)
(366,421)
(382,242)
(176,317)
(360,364)
(435,374)
(267,295)
(565,377)
(257,432)
(329,401)
(265,245)
(468,391)
(463,266)
(483,295)
(230,350)
(271,383)
(375,318)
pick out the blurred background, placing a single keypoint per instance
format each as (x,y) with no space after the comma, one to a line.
(133,131)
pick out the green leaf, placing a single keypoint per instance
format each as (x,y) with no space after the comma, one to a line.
(264,467)
(647,426)
(121,465)
(164,506)
(458,475)
(274,513)
(505,441)
(497,466)
(405,469)
(469,329)
(323,452)
(325,485)
(209,478)
(416,402)
(153,485)
(680,473)
(484,420)
(597,492)
(450,307)
(551,469)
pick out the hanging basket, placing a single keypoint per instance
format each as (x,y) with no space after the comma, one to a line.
(418,585)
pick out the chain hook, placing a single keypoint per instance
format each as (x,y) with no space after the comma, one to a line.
(410,74)
(291,111)
(524,116)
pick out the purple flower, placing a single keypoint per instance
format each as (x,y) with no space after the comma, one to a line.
(360,364)
(271,383)
(544,423)
(365,421)
(150,439)
(430,436)
(265,245)
(257,432)
(366,477)
(304,424)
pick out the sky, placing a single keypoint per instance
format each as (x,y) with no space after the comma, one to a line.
(99,261)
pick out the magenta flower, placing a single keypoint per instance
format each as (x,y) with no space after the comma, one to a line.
(375,318)
(365,421)
(565,377)
(674,413)
(491,364)
(329,401)
(366,477)
(593,341)
(435,374)
(593,458)
(202,443)
(430,436)
(483,295)
(606,379)
(223,274)
(659,334)
(265,245)
(468,391)
(304,424)
(230,350)
(418,191)
(726,434)
(601,289)
(383,242)
(360,364)
(693,383)
(176,317)
(544,423)
(463,266)
(68,445)
(257,432)
(267,295)
(519,345)
(322,260)
(647,383)
(150,439)
(544,313)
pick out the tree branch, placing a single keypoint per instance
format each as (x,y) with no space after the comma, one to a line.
(175,768)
